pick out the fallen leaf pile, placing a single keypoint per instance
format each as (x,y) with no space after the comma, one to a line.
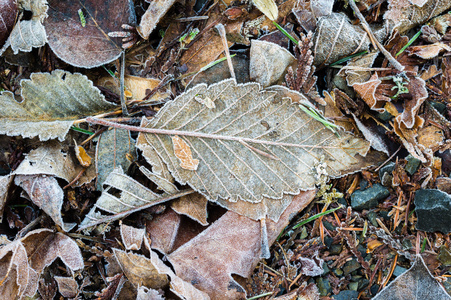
(218,150)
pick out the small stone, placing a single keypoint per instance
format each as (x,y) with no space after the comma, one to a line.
(374,289)
(323,285)
(372,218)
(388,168)
(368,198)
(440,107)
(433,209)
(363,283)
(444,256)
(385,116)
(335,249)
(412,164)
(338,272)
(399,271)
(329,226)
(346,295)
(351,266)
(328,241)
(353,286)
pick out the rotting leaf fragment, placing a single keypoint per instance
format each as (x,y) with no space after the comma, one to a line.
(183,152)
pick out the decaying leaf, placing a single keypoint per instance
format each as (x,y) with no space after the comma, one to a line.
(429,51)
(51,159)
(268,62)
(193,206)
(5,183)
(111,152)
(67,286)
(139,270)
(417,283)
(404,15)
(337,38)
(254,144)
(46,193)
(183,152)
(8,11)
(23,261)
(148,294)
(29,33)
(156,10)
(163,230)
(356,69)
(370,93)
(50,105)
(183,289)
(132,237)
(321,8)
(132,197)
(87,46)
(210,258)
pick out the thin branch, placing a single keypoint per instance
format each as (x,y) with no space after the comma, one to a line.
(365,25)
(205,135)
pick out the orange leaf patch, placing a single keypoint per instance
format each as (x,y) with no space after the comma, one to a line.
(183,152)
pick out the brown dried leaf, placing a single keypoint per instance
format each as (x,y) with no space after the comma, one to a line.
(183,289)
(404,15)
(335,38)
(209,259)
(370,93)
(353,72)
(417,283)
(193,206)
(139,270)
(47,194)
(163,230)
(132,237)
(67,286)
(254,144)
(22,261)
(419,93)
(50,105)
(431,137)
(428,51)
(268,62)
(331,110)
(8,12)
(87,46)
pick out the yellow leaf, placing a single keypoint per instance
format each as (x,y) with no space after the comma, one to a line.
(268,7)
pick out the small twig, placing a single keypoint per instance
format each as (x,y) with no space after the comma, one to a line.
(196,18)
(388,159)
(123,103)
(365,25)
(75,179)
(162,83)
(136,209)
(222,33)
(205,135)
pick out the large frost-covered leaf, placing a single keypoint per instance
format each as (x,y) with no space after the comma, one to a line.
(249,143)
(50,105)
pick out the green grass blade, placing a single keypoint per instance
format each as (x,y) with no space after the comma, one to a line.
(409,43)
(286,33)
(78,129)
(344,59)
(315,217)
